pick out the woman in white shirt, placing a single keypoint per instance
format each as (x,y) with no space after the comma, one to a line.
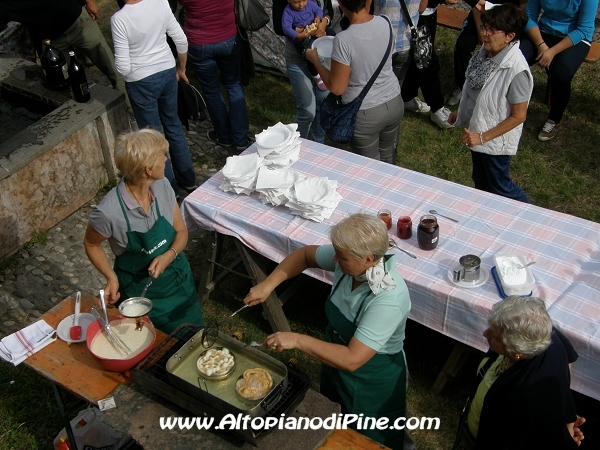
(144,58)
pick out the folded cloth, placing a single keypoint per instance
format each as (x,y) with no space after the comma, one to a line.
(17,347)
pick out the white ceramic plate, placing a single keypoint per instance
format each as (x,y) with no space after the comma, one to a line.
(273,137)
(324,46)
(64,327)
(484,274)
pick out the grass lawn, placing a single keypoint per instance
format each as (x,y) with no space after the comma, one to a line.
(561,174)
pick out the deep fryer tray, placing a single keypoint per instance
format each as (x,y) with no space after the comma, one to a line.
(151,373)
(183,374)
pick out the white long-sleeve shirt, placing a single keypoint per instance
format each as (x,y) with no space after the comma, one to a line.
(138,32)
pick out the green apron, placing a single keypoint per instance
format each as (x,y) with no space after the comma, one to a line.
(173,293)
(377,389)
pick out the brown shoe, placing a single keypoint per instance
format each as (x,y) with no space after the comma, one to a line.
(549,131)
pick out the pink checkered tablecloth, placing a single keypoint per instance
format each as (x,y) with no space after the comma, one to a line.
(566,248)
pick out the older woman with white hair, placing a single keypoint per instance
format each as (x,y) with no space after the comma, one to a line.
(364,368)
(523,399)
(142,222)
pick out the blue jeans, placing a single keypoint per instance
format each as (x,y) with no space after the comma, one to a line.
(223,57)
(491,173)
(560,73)
(308,101)
(154,103)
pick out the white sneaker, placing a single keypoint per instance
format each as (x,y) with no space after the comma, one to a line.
(417,105)
(455,97)
(440,118)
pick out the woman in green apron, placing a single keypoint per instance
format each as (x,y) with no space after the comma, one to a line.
(364,368)
(142,222)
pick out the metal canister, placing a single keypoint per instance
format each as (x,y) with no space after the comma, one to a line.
(469,269)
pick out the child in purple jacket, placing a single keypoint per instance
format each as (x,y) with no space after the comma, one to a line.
(297,15)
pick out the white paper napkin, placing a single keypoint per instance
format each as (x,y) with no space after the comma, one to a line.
(17,347)
(240,173)
(314,198)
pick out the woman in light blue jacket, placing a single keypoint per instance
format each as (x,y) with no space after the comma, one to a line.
(559,41)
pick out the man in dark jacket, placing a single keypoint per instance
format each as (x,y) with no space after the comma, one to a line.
(68,24)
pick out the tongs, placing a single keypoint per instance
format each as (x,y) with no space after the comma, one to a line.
(115,340)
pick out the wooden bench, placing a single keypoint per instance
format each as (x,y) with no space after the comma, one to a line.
(454,18)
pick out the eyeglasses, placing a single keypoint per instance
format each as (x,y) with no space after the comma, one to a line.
(488,31)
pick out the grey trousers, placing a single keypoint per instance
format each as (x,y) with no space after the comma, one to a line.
(85,36)
(377,129)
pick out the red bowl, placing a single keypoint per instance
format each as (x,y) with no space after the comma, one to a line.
(119,365)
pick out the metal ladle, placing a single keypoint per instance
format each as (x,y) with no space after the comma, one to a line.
(433,211)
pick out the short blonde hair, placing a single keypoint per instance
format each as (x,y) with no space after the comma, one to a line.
(136,150)
(361,235)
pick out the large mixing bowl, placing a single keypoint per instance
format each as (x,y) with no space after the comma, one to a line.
(120,363)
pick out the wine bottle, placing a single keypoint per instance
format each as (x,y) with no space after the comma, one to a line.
(79,85)
(54,65)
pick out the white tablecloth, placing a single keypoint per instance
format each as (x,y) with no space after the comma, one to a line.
(566,248)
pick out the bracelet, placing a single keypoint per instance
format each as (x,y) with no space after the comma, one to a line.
(541,43)
(481,138)
(174,251)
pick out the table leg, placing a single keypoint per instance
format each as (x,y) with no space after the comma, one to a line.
(63,413)
(272,305)
(459,355)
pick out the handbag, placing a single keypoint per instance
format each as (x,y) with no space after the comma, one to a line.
(420,41)
(338,119)
(251,15)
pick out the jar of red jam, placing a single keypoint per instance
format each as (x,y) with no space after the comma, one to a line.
(428,232)
(404,227)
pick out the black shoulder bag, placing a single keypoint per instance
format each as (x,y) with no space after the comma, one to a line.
(338,119)
(420,41)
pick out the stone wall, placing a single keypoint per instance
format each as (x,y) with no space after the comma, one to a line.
(58,164)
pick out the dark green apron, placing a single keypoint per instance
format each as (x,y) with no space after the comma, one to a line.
(377,389)
(173,293)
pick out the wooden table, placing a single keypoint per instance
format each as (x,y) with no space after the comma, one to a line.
(72,367)
(566,248)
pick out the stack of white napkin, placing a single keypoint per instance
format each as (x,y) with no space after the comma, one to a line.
(314,198)
(17,347)
(279,145)
(275,186)
(240,173)
(267,172)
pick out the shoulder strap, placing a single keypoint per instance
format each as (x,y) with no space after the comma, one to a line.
(365,90)
(405,9)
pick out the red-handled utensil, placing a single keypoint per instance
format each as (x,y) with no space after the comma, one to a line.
(75,331)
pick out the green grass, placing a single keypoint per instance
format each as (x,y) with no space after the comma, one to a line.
(29,418)
(39,239)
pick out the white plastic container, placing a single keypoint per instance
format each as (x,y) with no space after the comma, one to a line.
(514,281)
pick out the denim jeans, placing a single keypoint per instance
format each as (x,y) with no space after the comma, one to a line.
(560,73)
(308,101)
(223,57)
(491,173)
(154,104)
